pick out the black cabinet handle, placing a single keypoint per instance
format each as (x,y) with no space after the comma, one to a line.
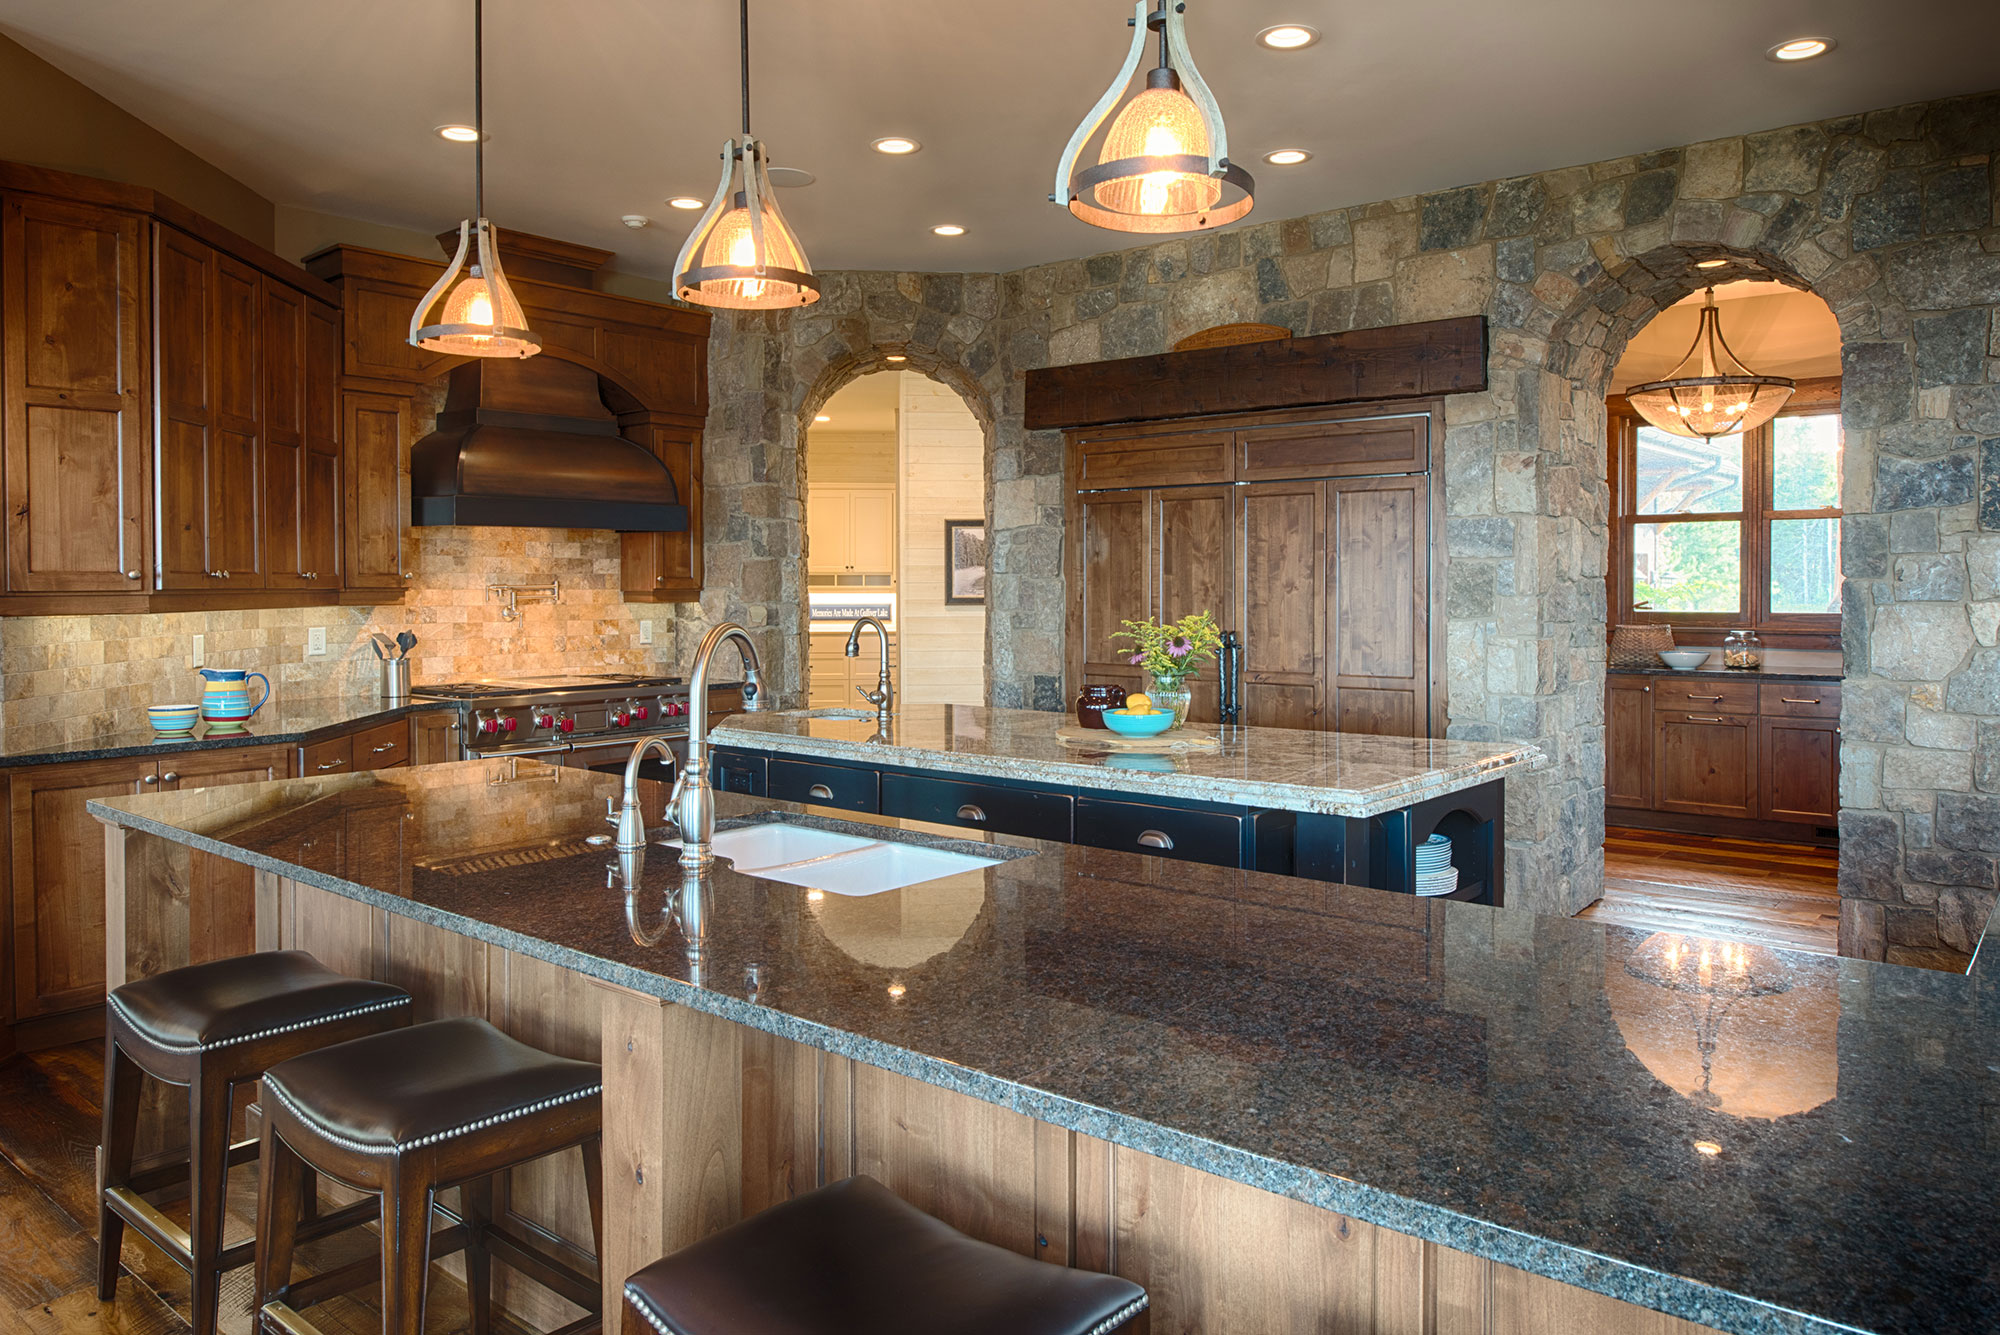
(971,812)
(819,790)
(1155,839)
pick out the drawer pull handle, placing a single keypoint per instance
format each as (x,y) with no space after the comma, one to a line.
(170,777)
(819,790)
(333,764)
(1155,839)
(971,812)
(386,746)
(1697,718)
(1791,700)
(1712,699)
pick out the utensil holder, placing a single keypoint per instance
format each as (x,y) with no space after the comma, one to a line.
(396,680)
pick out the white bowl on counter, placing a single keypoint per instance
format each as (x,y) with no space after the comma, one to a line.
(1684,660)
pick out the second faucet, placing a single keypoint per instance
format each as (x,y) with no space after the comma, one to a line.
(883,696)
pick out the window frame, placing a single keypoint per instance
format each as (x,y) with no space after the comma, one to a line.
(1796,630)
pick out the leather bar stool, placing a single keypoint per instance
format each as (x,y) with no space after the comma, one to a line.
(211,1027)
(852,1257)
(405,1115)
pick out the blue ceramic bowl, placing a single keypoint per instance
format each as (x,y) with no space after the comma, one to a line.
(173,718)
(1127,724)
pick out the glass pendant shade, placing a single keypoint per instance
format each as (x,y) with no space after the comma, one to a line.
(743,255)
(1711,393)
(479,315)
(1163,165)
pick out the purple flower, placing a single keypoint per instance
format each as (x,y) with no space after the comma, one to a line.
(1179,647)
(1137,659)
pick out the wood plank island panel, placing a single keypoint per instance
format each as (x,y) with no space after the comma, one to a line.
(1397,362)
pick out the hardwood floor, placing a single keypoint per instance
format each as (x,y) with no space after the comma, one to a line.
(1727,889)
(49,1127)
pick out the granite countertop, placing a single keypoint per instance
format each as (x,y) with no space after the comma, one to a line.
(1778,665)
(1524,1088)
(1333,773)
(284,721)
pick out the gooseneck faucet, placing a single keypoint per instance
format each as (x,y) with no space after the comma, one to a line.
(883,696)
(692,802)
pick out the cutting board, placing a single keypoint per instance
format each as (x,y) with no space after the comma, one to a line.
(1181,740)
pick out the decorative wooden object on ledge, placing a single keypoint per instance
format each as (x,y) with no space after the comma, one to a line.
(541,258)
(1398,362)
(1229,335)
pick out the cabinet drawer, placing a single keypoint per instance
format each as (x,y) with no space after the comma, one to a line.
(383,746)
(1170,832)
(330,757)
(737,772)
(824,785)
(1705,696)
(1334,449)
(1153,461)
(1802,699)
(978,806)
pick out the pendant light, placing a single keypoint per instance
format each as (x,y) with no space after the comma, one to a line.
(1711,393)
(480,317)
(1164,163)
(742,253)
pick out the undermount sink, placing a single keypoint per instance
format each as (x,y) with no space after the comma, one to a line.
(840,864)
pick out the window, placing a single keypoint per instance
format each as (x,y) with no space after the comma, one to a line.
(1737,531)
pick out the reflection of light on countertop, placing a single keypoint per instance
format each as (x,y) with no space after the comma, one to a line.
(900,929)
(1707,1147)
(896,990)
(815,896)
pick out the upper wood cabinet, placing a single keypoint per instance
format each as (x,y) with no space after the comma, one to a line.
(666,567)
(74,390)
(299,351)
(1269,447)
(375,435)
(851,531)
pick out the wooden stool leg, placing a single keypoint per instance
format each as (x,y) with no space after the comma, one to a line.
(279,1190)
(406,1249)
(123,1083)
(477,1198)
(208,1186)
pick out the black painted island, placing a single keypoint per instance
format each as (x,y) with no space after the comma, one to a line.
(1278,1103)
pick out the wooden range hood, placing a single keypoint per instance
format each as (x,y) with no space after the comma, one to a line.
(531,444)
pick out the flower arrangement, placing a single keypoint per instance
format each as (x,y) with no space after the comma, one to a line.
(1171,652)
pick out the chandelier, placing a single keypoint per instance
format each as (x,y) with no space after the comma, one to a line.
(1711,393)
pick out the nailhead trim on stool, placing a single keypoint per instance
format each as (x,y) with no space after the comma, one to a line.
(435,1137)
(167,1045)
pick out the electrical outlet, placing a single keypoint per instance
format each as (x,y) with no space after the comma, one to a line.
(645,632)
(201,651)
(315,641)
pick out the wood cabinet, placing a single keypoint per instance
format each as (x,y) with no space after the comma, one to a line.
(666,567)
(434,737)
(73,395)
(1722,754)
(833,676)
(375,440)
(300,355)
(1325,578)
(851,531)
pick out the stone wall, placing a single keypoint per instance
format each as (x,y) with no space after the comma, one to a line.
(1889,216)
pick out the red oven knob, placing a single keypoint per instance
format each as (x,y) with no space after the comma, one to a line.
(619,716)
(565,724)
(485,725)
(545,718)
(509,724)
(673,710)
(642,712)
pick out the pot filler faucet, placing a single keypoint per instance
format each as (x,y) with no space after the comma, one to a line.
(691,805)
(883,696)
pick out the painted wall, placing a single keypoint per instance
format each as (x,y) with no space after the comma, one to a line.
(942,472)
(48,119)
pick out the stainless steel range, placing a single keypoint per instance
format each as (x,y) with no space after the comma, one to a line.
(580,720)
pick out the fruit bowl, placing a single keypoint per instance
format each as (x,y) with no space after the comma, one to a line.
(1127,724)
(1684,660)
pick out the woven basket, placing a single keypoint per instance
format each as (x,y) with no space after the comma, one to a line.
(1639,646)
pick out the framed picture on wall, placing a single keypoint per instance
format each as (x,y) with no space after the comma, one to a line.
(964,561)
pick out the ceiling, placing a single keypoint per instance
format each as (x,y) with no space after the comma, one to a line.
(865,404)
(600,110)
(1775,329)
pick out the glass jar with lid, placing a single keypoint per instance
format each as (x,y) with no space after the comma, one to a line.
(1742,650)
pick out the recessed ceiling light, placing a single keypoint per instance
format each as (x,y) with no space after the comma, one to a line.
(895,145)
(1286,157)
(459,134)
(895,357)
(949,229)
(822,418)
(1710,264)
(790,178)
(1288,37)
(1800,48)
(685,202)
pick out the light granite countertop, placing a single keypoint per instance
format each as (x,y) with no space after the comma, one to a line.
(1328,773)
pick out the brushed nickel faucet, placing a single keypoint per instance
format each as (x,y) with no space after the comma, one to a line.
(691,805)
(883,696)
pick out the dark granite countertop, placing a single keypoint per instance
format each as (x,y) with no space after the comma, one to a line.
(1524,1088)
(284,720)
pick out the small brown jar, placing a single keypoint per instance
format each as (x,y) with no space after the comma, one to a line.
(1092,701)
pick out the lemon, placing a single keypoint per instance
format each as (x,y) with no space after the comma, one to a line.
(1138,704)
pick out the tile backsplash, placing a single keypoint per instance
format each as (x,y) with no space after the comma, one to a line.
(63,679)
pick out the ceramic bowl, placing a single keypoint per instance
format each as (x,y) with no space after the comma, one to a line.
(1684,660)
(1127,724)
(172,718)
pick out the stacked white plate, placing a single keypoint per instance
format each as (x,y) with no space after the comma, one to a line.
(1435,874)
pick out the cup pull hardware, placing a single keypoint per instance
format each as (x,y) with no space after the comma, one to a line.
(1156,839)
(819,790)
(971,812)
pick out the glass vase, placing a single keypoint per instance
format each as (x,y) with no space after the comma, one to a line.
(1174,697)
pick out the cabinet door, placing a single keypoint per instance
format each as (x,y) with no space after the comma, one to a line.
(224,766)
(1283,604)
(1115,581)
(58,880)
(374,452)
(1628,741)
(74,396)
(666,567)
(320,496)
(1799,760)
(871,530)
(234,492)
(281,354)
(826,530)
(183,297)
(1194,553)
(1705,764)
(335,756)
(1378,605)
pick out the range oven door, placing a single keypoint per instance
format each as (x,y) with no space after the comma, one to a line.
(609,757)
